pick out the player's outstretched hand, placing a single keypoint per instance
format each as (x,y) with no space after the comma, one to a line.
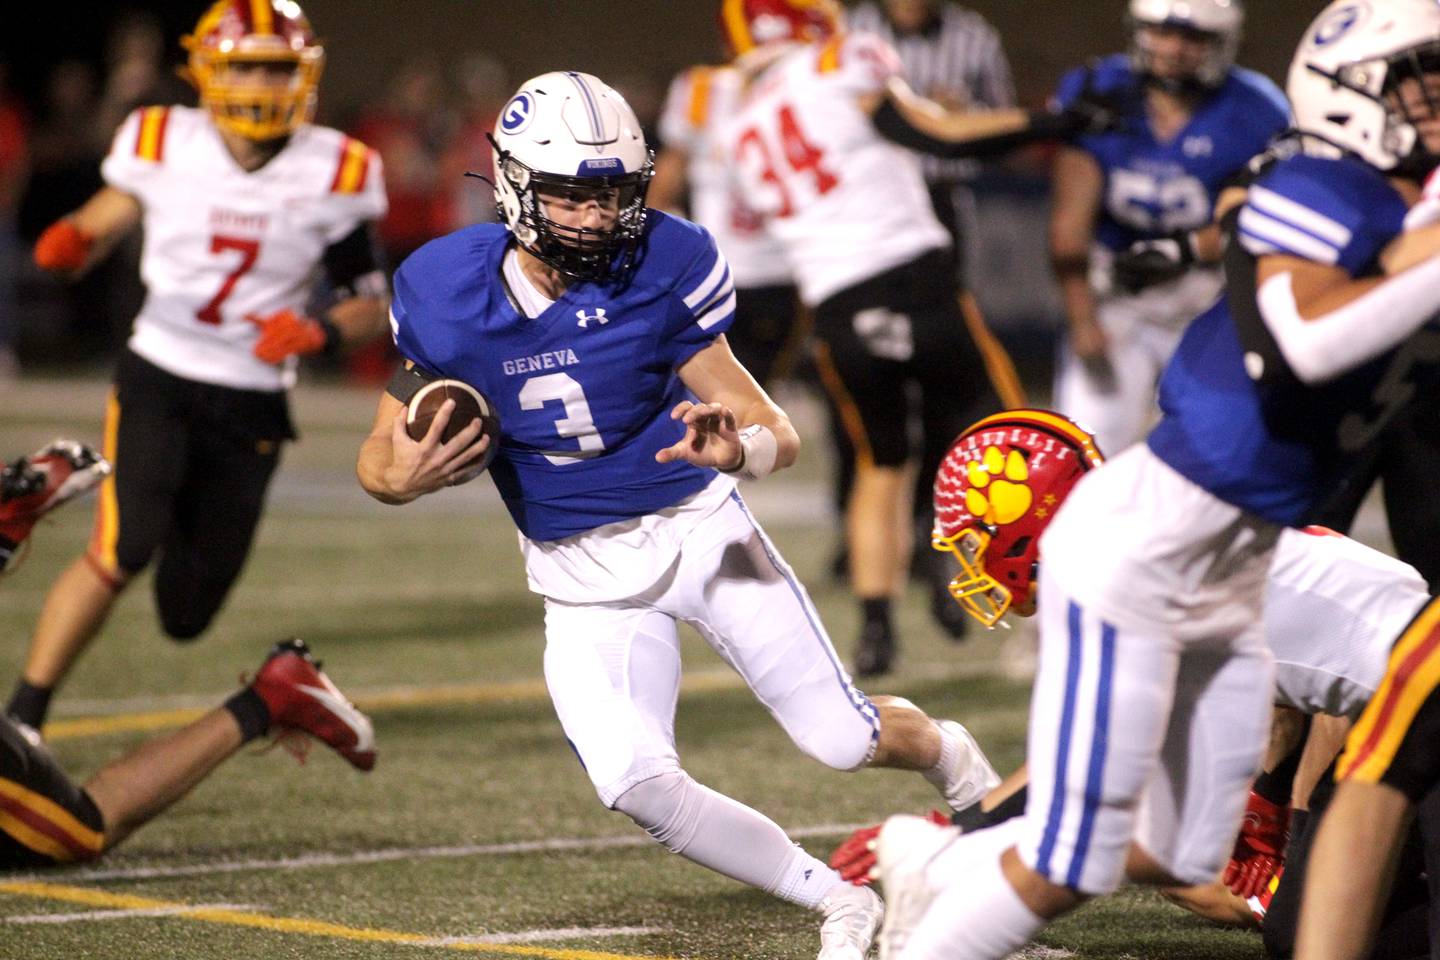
(418,467)
(711,439)
(286,333)
(1260,848)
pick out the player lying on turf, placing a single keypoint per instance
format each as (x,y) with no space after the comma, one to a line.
(596,327)
(1333,611)
(45,817)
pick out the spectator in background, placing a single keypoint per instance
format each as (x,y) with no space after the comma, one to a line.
(409,128)
(14,167)
(484,86)
(138,73)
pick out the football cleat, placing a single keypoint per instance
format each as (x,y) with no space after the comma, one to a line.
(32,486)
(302,699)
(875,653)
(903,850)
(970,776)
(852,915)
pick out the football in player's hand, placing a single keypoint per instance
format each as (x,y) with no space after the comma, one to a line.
(470,404)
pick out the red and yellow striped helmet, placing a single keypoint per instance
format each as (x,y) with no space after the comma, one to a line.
(255,31)
(747,24)
(995,493)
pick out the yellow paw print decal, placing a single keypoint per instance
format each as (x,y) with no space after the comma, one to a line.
(998,493)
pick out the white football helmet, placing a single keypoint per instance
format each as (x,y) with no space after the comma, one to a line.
(1218,21)
(1350,58)
(567,130)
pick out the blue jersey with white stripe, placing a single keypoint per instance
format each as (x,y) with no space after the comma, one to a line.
(1153,188)
(584,391)
(1281,451)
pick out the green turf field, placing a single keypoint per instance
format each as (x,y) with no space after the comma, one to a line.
(477,831)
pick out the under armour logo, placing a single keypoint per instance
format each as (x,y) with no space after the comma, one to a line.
(598,317)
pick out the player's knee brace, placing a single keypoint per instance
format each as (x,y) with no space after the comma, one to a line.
(668,807)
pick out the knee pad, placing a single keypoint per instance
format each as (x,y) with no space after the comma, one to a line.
(846,754)
(667,807)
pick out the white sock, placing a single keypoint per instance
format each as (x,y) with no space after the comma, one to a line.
(978,916)
(730,838)
(939,774)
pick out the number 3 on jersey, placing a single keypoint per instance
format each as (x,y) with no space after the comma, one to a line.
(802,161)
(577,421)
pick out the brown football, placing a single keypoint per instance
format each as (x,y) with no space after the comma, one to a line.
(469,405)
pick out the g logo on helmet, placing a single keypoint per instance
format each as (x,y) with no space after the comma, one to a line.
(517,113)
(1339,23)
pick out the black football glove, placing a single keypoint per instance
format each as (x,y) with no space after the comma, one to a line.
(1147,263)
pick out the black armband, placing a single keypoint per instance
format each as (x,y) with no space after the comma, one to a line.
(891,124)
(334,339)
(354,265)
(407,380)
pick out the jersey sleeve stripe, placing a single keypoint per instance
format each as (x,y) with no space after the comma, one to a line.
(1298,215)
(830,55)
(725,288)
(721,311)
(699,106)
(1411,676)
(1288,239)
(707,287)
(150,137)
(354,164)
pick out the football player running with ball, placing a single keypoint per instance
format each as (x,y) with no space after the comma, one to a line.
(242,201)
(597,328)
(1152,700)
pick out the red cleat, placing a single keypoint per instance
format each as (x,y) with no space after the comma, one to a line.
(32,486)
(301,698)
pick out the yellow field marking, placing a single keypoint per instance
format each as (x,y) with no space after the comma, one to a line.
(375,703)
(298,925)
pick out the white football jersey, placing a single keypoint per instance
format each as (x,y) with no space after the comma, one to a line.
(700,104)
(847,203)
(223,245)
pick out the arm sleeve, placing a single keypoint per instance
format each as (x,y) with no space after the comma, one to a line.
(1336,214)
(123,168)
(706,308)
(677,126)
(354,265)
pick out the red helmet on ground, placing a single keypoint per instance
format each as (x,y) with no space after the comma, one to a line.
(747,24)
(237,32)
(995,493)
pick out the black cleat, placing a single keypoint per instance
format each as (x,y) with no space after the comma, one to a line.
(875,653)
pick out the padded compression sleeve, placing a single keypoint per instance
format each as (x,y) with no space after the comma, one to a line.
(1325,347)
(891,124)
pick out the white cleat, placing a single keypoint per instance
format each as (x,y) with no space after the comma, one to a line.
(852,915)
(971,776)
(903,850)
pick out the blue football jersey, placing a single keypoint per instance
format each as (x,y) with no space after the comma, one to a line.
(584,391)
(1278,448)
(1153,188)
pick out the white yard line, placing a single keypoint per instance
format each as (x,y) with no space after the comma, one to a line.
(541,936)
(89,915)
(388,855)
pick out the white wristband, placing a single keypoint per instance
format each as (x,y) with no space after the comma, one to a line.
(758,451)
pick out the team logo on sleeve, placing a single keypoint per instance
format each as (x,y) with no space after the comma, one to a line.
(517,113)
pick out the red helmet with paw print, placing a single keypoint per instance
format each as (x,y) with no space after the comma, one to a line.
(747,24)
(995,493)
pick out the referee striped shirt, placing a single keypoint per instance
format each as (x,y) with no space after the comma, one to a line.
(955,60)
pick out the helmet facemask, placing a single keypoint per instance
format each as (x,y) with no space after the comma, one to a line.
(227,49)
(577,252)
(1385,82)
(982,596)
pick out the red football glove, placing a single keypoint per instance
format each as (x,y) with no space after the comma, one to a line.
(62,248)
(1260,848)
(855,858)
(286,333)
